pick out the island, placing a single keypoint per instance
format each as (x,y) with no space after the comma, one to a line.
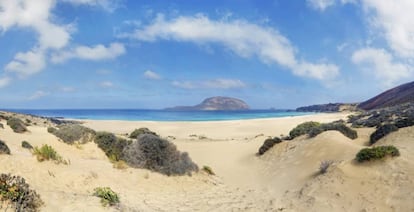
(215,103)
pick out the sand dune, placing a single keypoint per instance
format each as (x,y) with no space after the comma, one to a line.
(284,179)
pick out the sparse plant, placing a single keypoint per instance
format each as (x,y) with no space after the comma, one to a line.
(376,153)
(338,126)
(120,164)
(17,125)
(1,126)
(141,131)
(111,145)
(51,130)
(47,152)
(208,170)
(15,191)
(324,165)
(107,195)
(157,154)
(74,132)
(27,145)
(4,149)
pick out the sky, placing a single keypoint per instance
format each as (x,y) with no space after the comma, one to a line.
(157,53)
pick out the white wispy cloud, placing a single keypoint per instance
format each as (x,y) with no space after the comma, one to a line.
(148,74)
(243,38)
(4,81)
(97,52)
(106,84)
(210,84)
(382,65)
(321,5)
(38,94)
(108,5)
(28,63)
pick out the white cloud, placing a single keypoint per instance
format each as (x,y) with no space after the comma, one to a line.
(382,65)
(34,14)
(106,84)
(38,94)
(243,38)
(4,81)
(210,84)
(67,89)
(394,18)
(97,52)
(28,63)
(109,5)
(151,75)
(320,4)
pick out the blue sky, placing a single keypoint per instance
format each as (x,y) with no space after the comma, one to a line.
(157,54)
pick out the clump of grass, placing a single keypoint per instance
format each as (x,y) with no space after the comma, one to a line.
(303,129)
(47,152)
(140,131)
(74,132)
(157,154)
(268,143)
(51,130)
(27,145)
(324,165)
(17,125)
(208,170)
(381,132)
(4,149)
(111,145)
(108,197)
(120,164)
(15,191)
(376,153)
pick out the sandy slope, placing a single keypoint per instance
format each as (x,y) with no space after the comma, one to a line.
(284,179)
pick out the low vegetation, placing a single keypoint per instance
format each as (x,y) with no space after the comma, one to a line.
(27,145)
(17,125)
(208,170)
(157,154)
(376,153)
(1,126)
(313,129)
(108,197)
(111,145)
(381,132)
(47,152)
(140,131)
(4,149)
(15,191)
(324,165)
(268,143)
(303,129)
(51,130)
(70,133)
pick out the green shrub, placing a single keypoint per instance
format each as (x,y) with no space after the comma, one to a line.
(74,132)
(17,192)
(26,145)
(381,132)
(157,154)
(404,122)
(111,145)
(17,125)
(338,126)
(303,129)
(108,197)
(208,170)
(268,143)
(51,130)
(141,131)
(47,152)
(375,153)
(4,149)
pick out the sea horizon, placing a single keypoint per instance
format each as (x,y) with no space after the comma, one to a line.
(159,114)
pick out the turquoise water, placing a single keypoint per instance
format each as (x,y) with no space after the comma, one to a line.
(158,115)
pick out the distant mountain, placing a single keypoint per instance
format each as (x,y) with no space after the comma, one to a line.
(331,107)
(216,103)
(395,96)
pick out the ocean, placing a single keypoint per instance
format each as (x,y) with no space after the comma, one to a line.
(156,115)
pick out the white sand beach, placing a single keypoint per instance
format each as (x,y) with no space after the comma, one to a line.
(284,179)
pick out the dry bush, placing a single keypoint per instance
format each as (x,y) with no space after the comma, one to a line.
(4,149)
(17,125)
(74,132)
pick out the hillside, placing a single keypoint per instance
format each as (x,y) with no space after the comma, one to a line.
(331,107)
(395,96)
(216,103)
